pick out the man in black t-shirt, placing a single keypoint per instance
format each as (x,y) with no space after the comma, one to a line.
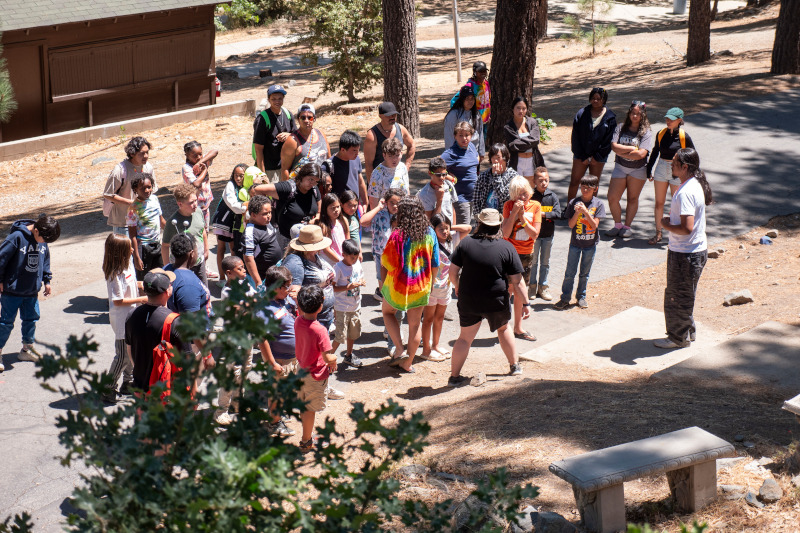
(261,248)
(271,128)
(345,167)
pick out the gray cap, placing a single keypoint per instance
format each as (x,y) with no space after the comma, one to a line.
(276,89)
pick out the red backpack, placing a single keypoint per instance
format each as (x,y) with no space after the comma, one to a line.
(163,367)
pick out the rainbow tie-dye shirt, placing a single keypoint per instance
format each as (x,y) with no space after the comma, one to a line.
(409,266)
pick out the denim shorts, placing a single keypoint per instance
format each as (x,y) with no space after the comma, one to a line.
(663,172)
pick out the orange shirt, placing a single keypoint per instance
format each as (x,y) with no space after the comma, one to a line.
(523,243)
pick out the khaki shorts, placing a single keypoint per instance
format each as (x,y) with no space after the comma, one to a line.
(290,366)
(348,325)
(274,176)
(313,393)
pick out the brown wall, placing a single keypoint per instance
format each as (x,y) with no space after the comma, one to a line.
(84,74)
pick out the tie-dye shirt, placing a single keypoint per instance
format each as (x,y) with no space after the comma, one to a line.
(146,218)
(409,266)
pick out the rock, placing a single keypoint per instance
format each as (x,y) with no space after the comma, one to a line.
(747,444)
(772,234)
(732,488)
(767,266)
(227,74)
(721,250)
(764,461)
(413,471)
(262,106)
(265,72)
(723,53)
(738,438)
(751,499)
(543,522)
(765,240)
(796,481)
(478,380)
(713,254)
(728,462)
(419,492)
(770,491)
(626,49)
(439,485)
(756,468)
(463,519)
(232,58)
(738,298)
(742,246)
(292,83)
(451,477)
(102,159)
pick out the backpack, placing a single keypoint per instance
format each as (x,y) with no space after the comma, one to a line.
(268,122)
(681,134)
(107,204)
(163,367)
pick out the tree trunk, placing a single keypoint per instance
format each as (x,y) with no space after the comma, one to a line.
(786,51)
(541,20)
(516,35)
(698,49)
(400,62)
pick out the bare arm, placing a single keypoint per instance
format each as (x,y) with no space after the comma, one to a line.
(250,265)
(265,189)
(267,357)
(518,284)
(370,144)
(288,152)
(165,252)
(130,301)
(366,218)
(454,276)
(137,260)
(363,199)
(408,140)
(684,228)
(260,156)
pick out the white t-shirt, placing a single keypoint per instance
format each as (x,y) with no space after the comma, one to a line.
(428,198)
(348,301)
(123,285)
(689,200)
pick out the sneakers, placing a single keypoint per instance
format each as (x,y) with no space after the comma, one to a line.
(516,369)
(669,344)
(692,336)
(223,418)
(626,233)
(378,295)
(2,368)
(561,305)
(613,232)
(109,398)
(582,303)
(457,381)
(279,429)
(334,394)
(544,293)
(125,389)
(27,353)
(352,360)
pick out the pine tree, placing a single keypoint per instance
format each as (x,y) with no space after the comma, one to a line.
(8,104)
(599,33)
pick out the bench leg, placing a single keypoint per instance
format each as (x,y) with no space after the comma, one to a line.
(602,511)
(694,486)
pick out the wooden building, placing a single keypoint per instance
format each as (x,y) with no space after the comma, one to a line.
(79,63)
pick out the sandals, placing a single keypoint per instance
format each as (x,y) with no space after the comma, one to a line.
(525,336)
(395,361)
(433,356)
(655,239)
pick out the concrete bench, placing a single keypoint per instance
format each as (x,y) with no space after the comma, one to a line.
(793,406)
(687,456)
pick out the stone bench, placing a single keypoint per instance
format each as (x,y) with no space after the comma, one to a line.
(687,456)
(793,406)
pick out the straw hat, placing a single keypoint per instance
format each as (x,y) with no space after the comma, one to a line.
(310,239)
(490,217)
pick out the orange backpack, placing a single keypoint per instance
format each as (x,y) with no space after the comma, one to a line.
(163,367)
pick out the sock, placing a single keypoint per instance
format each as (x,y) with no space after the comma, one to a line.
(618,225)
(625,227)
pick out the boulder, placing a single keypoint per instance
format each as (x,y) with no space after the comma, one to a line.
(543,522)
(713,254)
(772,234)
(473,515)
(752,500)
(227,74)
(770,491)
(478,379)
(738,298)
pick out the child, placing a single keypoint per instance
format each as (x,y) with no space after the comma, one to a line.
(188,292)
(145,222)
(261,247)
(351,211)
(189,220)
(123,296)
(228,217)
(195,173)
(334,226)
(439,194)
(551,211)
(584,214)
(315,356)
(440,296)
(24,266)
(347,308)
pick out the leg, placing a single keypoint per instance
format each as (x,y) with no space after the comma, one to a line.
(350,343)
(596,168)
(533,278)
(307,419)
(615,190)
(414,334)
(660,190)
(683,273)
(119,363)
(29,314)
(463,212)
(546,246)
(573,256)
(428,317)
(438,320)
(221,245)
(694,486)
(393,327)
(578,171)
(461,348)
(506,339)
(635,187)
(9,305)
(587,257)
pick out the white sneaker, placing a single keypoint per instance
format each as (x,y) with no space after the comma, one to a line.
(27,353)
(334,394)
(2,368)
(223,418)
(669,344)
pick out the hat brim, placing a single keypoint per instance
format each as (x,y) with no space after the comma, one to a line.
(170,275)
(295,244)
(672,117)
(490,222)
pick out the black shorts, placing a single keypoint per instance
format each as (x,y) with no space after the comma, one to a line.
(496,319)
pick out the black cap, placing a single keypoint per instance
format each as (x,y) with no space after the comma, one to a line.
(387,108)
(157,281)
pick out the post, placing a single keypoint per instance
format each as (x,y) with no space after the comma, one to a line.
(89,112)
(455,33)
(175,95)
(678,7)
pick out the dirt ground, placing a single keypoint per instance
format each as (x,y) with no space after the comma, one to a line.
(525,423)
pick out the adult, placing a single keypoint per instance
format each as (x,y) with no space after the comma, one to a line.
(592,129)
(345,167)
(261,247)
(688,248)
(387,128)
(270,130)
(486,265)
(298,201)
(408,267)
(465,109)
(117,194)
(491,187)
(462,162)
(668,142)
(189,294)
(522,137)
(305,145)
(480,88)
(308,268)
(632,142)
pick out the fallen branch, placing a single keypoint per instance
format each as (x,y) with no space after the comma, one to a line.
(100,150)
(675,50)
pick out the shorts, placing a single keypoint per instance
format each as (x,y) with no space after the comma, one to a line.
(663,172)
(440,296)
(525,166)
(313,393)
(527,261)
(274,176)
(621,172)
(348,325)
(290,366)
(496,319)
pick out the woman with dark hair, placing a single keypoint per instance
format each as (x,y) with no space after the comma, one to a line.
(688,248)
(303,260)
(491,188)
(592,129)
(298,200)
(462,161)
(117,194)
(486,265)
(632,142)
(465,109)
(522,138)
(409,264)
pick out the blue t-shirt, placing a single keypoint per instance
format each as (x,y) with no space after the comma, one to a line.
(284,311)
(188,292)
(463,164)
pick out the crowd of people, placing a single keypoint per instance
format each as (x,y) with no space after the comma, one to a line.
(293,222)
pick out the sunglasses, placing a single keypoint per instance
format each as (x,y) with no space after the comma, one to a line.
(306,117)
(638,103)
(440,174)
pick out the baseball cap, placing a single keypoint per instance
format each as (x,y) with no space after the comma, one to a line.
(157,281)
(276,89)
(674,113)
(387,108)
(307,107)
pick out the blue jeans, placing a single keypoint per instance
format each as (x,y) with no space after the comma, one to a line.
(541,246)
(28,307)
(584,256)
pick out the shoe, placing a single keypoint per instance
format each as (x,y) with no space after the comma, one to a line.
(582,303)
(109,398)
(561,305)
(457,381)
(626,233)
(378,295)
(544,293)
(655,239)
(223,418)
(125,389)
(334,394)
(312,444)
(352,360)
(613,232)
(210,274)
(692,336)
(516,369)
(669,344)
(525,336)
(2,368)
(279,429)
(27,353)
